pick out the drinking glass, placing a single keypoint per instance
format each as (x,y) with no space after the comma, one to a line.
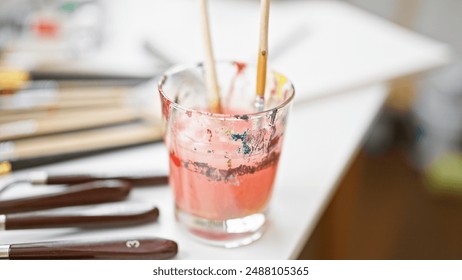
(223,166)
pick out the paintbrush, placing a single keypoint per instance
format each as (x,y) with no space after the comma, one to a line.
(24,153)
(262,56)
(56,113)
(67,104)
(125,249)
(46,95)
(33,104)
(44,178)
(83,194)
(211,80)
(67,122)
(95,216)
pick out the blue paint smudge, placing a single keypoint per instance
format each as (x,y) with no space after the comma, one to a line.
(246,148)
(243,137)
(237,136)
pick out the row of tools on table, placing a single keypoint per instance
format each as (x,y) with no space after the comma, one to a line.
(88,201)
(61,100)
(43,121)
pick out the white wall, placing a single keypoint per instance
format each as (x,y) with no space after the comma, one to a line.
(439,19)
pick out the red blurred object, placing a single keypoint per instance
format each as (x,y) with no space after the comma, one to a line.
(46,28)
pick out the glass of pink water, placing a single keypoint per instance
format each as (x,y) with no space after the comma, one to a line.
(223,166)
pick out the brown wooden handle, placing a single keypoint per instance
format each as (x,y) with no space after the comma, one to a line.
(114,214)
(88,193)
(84,178)
(143,248)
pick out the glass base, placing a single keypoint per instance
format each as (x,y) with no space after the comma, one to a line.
(230,233)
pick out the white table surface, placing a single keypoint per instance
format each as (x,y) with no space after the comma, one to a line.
(320,140)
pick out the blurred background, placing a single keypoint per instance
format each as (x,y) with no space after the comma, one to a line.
(402,196)
(78,78)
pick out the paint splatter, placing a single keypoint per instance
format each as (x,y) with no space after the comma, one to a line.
(237,136)
(240,67)
(280,81)
(246,148)
(242,117)
(209,132)
(230,174)
(165,107)
(243,137)
(176,160)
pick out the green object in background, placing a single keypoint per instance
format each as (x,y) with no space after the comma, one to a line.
(445,174)
(69,7)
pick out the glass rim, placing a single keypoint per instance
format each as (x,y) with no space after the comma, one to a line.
(182,67)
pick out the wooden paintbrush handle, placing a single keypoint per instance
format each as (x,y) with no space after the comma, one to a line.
(89,193)
(82,178)
(65,123)
(109,216)
(60,114)
(93,140)
(143,248)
